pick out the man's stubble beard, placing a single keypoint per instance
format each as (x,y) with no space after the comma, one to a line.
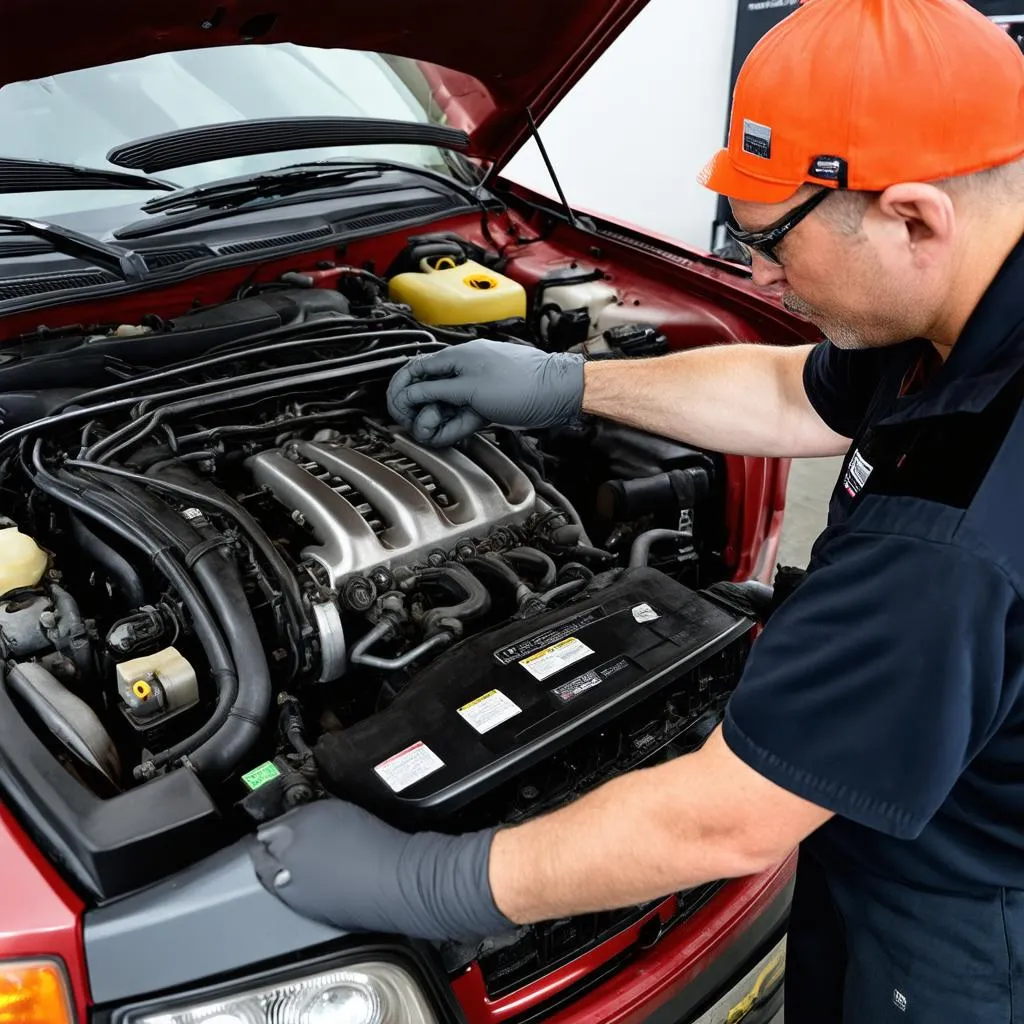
(842,335)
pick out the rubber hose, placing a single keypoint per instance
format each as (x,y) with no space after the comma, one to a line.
(640,553)
(563,589)
(117,567)
(556,497)
(476,600)
(538,560)
(360,655)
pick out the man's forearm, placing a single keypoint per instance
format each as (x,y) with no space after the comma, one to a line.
(645,835)
(738,399)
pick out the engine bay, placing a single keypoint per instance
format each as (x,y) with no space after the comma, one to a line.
(231,585)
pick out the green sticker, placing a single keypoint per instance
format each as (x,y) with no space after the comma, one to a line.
(266,772)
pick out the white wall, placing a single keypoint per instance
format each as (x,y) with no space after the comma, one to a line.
(629,140)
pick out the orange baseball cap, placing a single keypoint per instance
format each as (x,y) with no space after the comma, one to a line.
(864,94)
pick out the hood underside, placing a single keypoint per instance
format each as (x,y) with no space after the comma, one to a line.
(491,62)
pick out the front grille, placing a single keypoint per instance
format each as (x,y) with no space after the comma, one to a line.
(666,725)
(554,944)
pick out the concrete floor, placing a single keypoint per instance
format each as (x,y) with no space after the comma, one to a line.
(810,485)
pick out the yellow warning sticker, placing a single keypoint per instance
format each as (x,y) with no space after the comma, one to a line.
(489,711)
(552,660)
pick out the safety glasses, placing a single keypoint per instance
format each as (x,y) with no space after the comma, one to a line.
(766,241)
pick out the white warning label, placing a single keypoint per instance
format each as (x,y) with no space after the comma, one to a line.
(645,613)
(548,662)
(408,766)
(489,711)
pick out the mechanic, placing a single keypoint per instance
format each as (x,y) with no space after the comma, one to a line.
(874,166)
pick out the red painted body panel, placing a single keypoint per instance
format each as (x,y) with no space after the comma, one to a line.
(39,915)
(650,980)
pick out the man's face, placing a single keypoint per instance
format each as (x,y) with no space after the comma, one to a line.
(861,284)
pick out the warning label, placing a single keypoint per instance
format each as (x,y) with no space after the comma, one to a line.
(489,711)
(551,661)
(540,641)
(572,689)
(408,766)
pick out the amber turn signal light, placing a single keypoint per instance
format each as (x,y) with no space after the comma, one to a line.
(34,992)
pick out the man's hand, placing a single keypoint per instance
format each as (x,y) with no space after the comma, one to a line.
(445,397)
(335,863)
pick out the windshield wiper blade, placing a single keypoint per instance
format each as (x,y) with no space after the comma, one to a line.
(19,174)
(234,192)
(192,212)
(186,147)
(125,263)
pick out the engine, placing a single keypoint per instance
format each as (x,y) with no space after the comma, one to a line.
(231,585)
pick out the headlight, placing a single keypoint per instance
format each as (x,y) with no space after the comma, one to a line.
(364,993)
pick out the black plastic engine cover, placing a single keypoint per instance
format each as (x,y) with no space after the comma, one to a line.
(502,701)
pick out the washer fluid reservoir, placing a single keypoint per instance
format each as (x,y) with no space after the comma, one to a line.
(448,293)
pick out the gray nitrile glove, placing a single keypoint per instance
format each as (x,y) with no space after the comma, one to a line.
(335,863)
(445,397)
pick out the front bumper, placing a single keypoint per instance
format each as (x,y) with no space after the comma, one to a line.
(677,979)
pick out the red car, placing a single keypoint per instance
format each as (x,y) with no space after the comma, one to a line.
(229,586)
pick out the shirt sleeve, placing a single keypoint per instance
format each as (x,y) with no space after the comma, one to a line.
(879,680)
(840,383)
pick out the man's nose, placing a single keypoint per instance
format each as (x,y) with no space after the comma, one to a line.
(765,273)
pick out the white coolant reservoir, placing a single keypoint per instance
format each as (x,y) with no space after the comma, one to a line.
(158,684)
(570,304)
(22,561)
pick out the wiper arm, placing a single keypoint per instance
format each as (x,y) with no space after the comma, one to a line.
(186,147)
(224,198)
(238,191)
(126,264)
(19,174)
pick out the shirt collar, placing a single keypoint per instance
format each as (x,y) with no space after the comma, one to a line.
(990,347)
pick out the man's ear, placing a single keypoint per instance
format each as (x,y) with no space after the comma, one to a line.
(925,217)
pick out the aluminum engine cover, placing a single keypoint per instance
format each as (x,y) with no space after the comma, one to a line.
(391,503)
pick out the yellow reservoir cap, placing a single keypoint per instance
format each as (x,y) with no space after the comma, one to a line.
(446,293)
(22,561)
(34,992)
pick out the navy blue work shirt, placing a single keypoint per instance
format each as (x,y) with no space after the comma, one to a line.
(889,688)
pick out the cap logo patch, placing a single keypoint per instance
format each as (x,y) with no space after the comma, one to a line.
(757,139)
(829,168)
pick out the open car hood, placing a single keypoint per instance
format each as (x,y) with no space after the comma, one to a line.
(487,64)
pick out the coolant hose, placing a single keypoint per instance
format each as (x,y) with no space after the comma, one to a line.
(117,566)
(225,750)
(476,601)
(556,497)
(537,560)
(640,553)
(563,590)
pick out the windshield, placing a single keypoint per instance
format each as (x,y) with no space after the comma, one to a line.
(78,117)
